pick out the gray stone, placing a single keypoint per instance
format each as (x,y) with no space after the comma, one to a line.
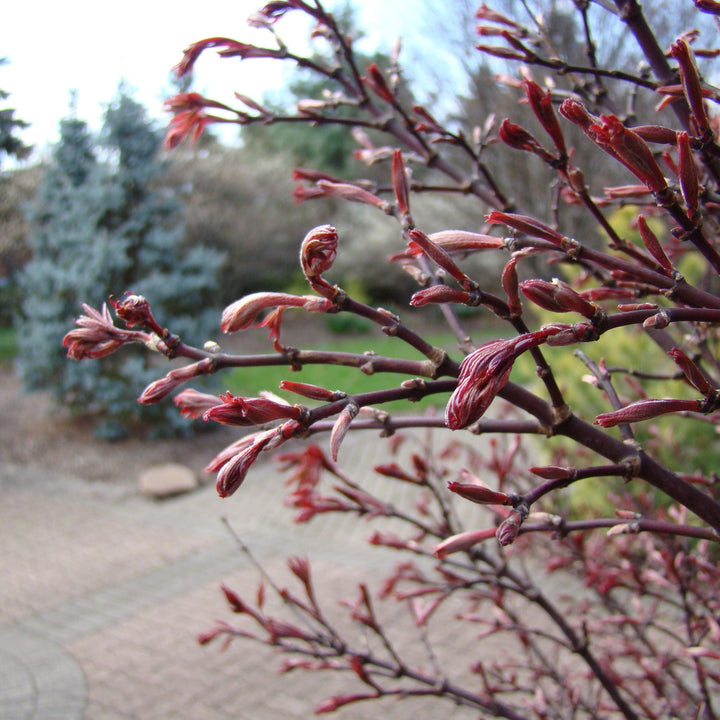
(165,480)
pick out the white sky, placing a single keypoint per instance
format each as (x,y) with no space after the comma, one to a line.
(88,45)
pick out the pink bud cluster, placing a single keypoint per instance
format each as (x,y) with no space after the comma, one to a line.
(243,411)
(190,117)
(608,133)
(484,373)
(97,336)
(233,463)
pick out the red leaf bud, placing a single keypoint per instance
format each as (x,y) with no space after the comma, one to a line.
(688,174)
(438,255)
(656,134)
(300,567)
(553,472)
(520,139)
(208,636)
(250,411)
(302,193)
(509,528)
(232,474)
(349,192)
(479,494)
(456,241)
(232,48)
(439,294)
(464,241)
(513,39)
(525,224)
(313,392)
(159,389)
(242,313)
(134,310)
(576,177)
(462,541)
(509,280)
(484,373)
(692,372)
(659,321)
(516,136)
(541,104)
(400,183)
(653,244)
(234,468)
(639,192)
(557,296)
(300,174)
(627,514)
(342,425)
(192,404)
(501,52)
(393,470)
(630,149)
(645,410)
(237,604)
(690,79)
(577,113)
(428,121)
(96,335)
(708,6)
(571,334)
(337,701)
(490,15)
(376,82)
(318,251)
(391,540)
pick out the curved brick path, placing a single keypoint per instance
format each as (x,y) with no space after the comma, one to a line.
(103,593)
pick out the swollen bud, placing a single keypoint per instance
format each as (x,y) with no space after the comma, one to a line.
(318,251)
(557,296)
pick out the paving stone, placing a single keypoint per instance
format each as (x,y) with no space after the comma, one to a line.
(162,481)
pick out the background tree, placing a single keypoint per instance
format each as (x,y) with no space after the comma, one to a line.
(12,194)
(100,221)
(11,145)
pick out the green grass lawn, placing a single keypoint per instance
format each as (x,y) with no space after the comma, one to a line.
(248,381)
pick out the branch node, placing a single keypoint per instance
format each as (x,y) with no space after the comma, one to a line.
(561,414)
(291,354)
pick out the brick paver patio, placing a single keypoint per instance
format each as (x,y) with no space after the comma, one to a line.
(104,592)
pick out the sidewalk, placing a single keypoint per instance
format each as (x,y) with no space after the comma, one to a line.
(104,592)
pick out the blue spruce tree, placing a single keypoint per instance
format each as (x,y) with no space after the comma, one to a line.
(103,224)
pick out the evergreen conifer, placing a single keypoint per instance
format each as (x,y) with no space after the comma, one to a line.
(100,225)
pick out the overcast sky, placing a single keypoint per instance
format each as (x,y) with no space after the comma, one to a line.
(90,46)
